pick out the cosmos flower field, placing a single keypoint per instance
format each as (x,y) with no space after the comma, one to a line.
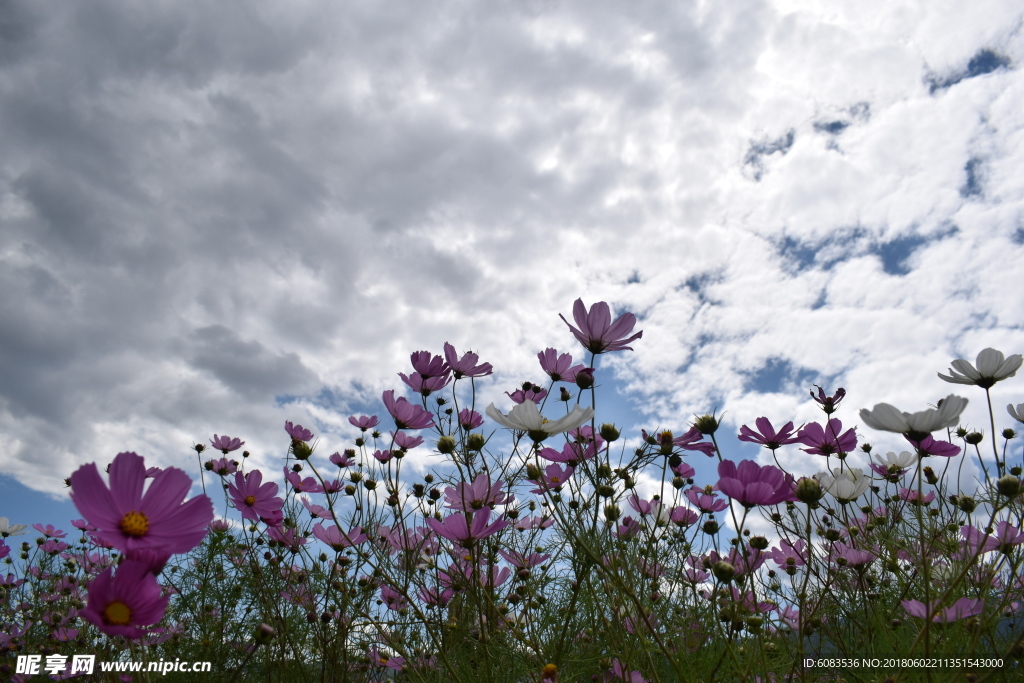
(527,553)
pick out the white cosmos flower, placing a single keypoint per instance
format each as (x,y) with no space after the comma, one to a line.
(8,529)
(991,367)
(902,461)
(846,485)
(526,417)
(1018,413)
(888,419)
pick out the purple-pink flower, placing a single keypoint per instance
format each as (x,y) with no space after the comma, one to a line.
(531,393)
(336,538)
(1006,536)
(827,441)
(470,419)
(961,609)
(427,364)
(558,367)
(465,366)
(705,500)
(929,446)
(226,444)
(596,331)
(466,527)
(253,499)
(828,403)
(120,604)
(751,484)
(553,477)
(766,434)
(476,495)
(364,422)
(425,386)
(405,414)
(128,519)
(298,432)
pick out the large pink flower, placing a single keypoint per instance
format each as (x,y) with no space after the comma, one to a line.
(253,498)
(750,484)
(405,414)
(465,527)
(596,330)
(129,520)
(120,604)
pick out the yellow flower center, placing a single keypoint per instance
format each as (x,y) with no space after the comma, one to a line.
(135,524)
(250,500)
(554,480)
(549,670)
(117,613)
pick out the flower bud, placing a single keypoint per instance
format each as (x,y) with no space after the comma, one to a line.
(706,424)
(434,494)
(264,634)
(1008,485)
(929,475)
(301,450)
(808,490)
(564,395)
(605,491)
(974,438)
(723,571)
(710,527)
(678,482)
(609,433)
(1009,433)
(604,471)
(759,542)
(350,490)
(370,484)
(446,445)
(532,471)
(585,378)
(612,512)
(476,442)
(832,535)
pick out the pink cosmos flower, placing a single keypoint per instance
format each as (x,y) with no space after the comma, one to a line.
(533,393)
(930,446)
(688,442)
(300,485)
(961,609)
(628,529)
(254,499)
(392,598)
(520,561)
(120,604)
(789,555)
(476,495)
(705,500)
(346,460)
(1006,536)
(289,538)
(597,332)
(553,477)
(466,527)
(425,386)
(571,453)
(364,422)
(910,495)
(336,538)
(827,441)
(49,531)
(766,434)
(685,471)
(828,403)
(383,455)
(315,510)
(222,466)
(752,485)
(298,432)
(427,364)
(470,419)
(226,444)
(465,366)
(406,442)
(405,414)
(844,555)
(558,367)
(528,523)
(129,520)
(436,596)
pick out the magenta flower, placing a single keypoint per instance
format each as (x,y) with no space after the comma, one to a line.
(427,364)
(289,538)
(49,531)
(682,516)
(436,597)
(405,414)
(298,432)
(826,442)
(253,499)
(553,477)
(558,367)
(961,609)
(689,442)
(597,332)
(222,466)
(406,442)
(532,393)
(346,460)
(392,598)
(470,419)
(789,555)
(1006,536)
(628,529)
(571,453)
(752,485)
(465,366)
(300,485)
(910,496)
(520,561)
(476,495)
(466,527)
(766,434)
(364,422)
(425,386)
(683,470)
(316,510)
(336,538)
(129,520)
(930,446)
(705,500)
(226,444)
(828,403)
(119,605)
(383,456)
(843,555)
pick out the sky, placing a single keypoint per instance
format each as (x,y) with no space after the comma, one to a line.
(215,217)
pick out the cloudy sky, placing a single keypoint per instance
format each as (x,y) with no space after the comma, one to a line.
(215,217)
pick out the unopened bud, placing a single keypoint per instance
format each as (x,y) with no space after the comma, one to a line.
(1008,485)
(604,471)
(476,442)
(446,444)
(1009,433)
(723,571)
(706,424)
(301,450)
(929,475)
(678,482)
(710,527)
(609,433)
(612,512)
(585,378)
(759,542)
(974,438)
(370,484)
(808,490)
(532,471)
(605,491)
